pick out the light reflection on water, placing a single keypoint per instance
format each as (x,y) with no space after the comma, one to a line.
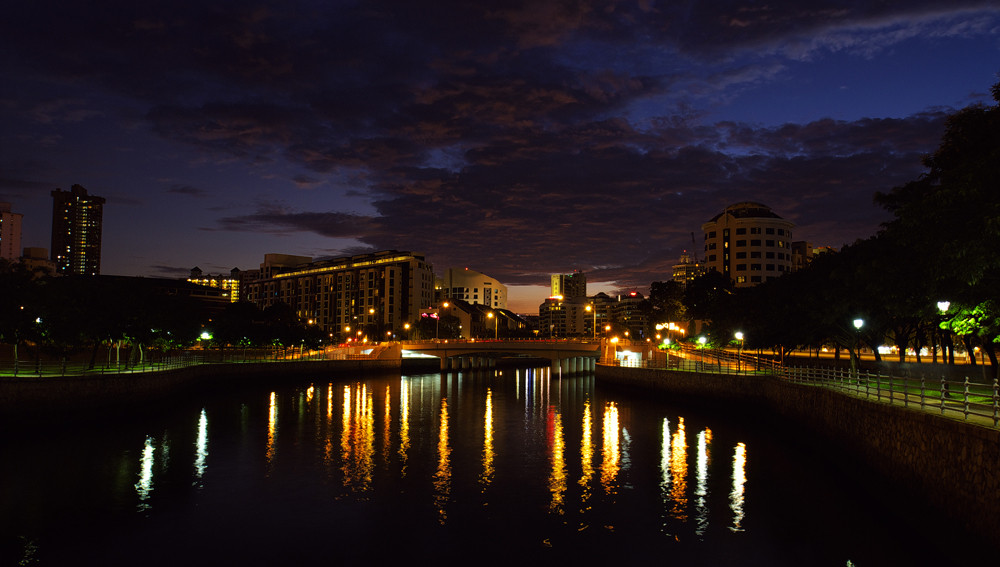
(526,460)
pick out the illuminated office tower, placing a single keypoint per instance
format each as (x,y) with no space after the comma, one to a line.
(76,231)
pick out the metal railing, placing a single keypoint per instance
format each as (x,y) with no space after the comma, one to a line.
(976,401)
(973,401)
(154,361)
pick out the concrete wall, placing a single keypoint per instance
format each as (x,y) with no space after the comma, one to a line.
(25,396)
(953,464)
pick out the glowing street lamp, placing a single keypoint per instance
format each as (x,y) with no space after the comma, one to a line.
(496,333)
(739,351)
(855,359)
(592,308)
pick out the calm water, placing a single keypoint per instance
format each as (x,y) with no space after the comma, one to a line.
(474,469)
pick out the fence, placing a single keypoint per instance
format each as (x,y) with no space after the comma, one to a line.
(972,401)
(154,361)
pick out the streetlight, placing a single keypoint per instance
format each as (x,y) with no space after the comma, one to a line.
(739,351)
(496,333)
(856,358)
(947,354)
(592,308)
(437,323)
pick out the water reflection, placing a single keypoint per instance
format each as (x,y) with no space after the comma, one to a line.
(738,494)
(404,424)
(557,449)
(701,489)
(145,485)
(442,478)
(272,431)
(586,461)
(488,454)
(357,440)
(201,447)
(610,448)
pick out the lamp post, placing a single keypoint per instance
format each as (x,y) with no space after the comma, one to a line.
(739,351)
(495,320)
(592,308)
(946,348)
(406,327)
(856,358)
(437,324)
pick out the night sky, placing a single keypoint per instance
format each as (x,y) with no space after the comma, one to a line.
(519,139)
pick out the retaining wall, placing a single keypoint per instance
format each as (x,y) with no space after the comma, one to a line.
(25,396)
(953,464)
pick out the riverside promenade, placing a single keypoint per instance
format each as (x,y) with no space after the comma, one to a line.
(950,464)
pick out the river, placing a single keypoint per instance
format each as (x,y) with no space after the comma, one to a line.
(482,468)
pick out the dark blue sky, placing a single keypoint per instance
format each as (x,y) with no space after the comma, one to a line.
(515,138)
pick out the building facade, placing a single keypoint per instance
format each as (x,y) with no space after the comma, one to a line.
(77,220)
(687,269)
(472,287)
(374,294)
(748,243)
(569,285)
(10,233)
(230,285)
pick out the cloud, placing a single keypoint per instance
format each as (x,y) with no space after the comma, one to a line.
(187,190)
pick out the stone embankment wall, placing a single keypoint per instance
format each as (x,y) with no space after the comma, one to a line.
(953,465)
(27,396)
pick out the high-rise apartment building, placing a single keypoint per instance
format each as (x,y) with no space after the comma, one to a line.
(373,293)
(569,285)
(10,233)
(748,243)
(76,231)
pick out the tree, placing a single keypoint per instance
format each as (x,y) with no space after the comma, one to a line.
(950,215)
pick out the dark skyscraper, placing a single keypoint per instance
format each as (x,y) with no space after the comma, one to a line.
(76,231)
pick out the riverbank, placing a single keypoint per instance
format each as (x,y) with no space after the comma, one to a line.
(23,397)
(951,464)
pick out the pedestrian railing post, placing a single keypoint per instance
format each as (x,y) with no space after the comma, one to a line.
(996,402)
(966,396)
(944,392)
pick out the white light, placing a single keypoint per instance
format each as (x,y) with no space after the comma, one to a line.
(858,323)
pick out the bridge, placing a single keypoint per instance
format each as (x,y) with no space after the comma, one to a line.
(567,356)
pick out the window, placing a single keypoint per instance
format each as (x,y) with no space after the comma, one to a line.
(768,231)
(754,267)
(741,242)
(711,246)
(770,243)
(741,255)
(770,267)
(741,279)
(755,254)
(781,232)
(711,257)
(755,243)
(754,279)
(711,234)
(769,255)
(754,230)
(741,267)
(741,231)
